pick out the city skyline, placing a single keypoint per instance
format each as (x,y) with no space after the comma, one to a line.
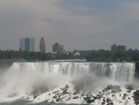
(82,25)
(27,44)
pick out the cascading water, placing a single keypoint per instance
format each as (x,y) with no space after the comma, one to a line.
(114,71)
(27,78)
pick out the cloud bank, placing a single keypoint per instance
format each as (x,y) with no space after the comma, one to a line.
(77,24)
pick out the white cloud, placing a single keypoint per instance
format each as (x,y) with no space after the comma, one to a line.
(121,16)
(45,16)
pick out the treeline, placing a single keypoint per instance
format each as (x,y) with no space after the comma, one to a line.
(94,55)
(115,56)
(33,56)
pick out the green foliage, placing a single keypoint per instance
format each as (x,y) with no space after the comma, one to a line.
(33,56)
(95,55)
(106,55)
(100,55)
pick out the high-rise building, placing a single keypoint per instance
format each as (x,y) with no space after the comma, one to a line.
(42,45)
(32,44)
(27,44)
(57,48)
(22,44)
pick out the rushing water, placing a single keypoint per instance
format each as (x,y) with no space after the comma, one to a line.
(114,71)
(25,79)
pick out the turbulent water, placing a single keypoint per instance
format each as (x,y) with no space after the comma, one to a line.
(34,81)
(114,71)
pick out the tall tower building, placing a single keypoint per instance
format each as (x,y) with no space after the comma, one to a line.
(22,44)
(27,44)
(42,45)
(32,44)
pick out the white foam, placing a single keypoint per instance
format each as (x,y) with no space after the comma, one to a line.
(36,80)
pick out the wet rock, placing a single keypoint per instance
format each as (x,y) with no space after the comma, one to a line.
(35,96)
(76,97)
(136,97)
(129,91)
(89,99)
(114,89)
(129,87)
(55,92)
(65,89)
(125,95)
(58,99)
(109,101)
(113,95)
(103,103)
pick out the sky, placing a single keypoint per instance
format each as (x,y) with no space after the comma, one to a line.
(76,24)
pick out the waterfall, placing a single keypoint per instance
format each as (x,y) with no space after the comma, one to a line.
(113,71)
(24,79)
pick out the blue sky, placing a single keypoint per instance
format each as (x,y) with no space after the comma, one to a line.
(97,6)
(77,24)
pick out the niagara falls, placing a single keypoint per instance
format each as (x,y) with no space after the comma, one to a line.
(69,52)
(69,82)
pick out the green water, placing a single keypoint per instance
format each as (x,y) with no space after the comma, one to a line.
(23,102)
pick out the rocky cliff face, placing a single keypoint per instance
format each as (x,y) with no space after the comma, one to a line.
(136,97)
(137,70)
(111,95)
